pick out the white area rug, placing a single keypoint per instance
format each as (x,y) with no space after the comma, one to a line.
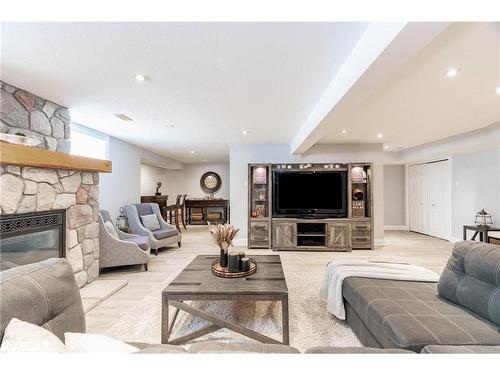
(310,323)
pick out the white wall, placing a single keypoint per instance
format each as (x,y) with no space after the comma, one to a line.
(475,185)
(123,185)
(394,196)
(242,154)
(185,181)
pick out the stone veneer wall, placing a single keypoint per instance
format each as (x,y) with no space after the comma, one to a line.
(27,189)
(23,112)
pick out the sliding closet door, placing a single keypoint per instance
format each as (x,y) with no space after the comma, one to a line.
(418,198)
(439,199)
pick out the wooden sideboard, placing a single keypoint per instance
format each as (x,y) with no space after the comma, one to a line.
(198,210)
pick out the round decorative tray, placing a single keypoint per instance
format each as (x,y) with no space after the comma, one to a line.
(219,271)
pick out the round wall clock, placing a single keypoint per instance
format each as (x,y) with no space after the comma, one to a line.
(210,182)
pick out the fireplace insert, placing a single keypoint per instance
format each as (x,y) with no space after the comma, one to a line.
(32,237)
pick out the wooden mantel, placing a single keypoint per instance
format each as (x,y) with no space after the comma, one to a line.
(37,157)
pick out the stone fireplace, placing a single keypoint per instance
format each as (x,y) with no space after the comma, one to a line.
(29,189)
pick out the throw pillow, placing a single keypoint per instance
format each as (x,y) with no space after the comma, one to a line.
(90,343)
(24,337)
(111,229)
(150,222)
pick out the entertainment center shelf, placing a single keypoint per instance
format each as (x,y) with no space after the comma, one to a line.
(310,207)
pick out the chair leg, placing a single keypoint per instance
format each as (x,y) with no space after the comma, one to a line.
(179,243)
(183,217)
(145,267)
(177,225)
(156,251)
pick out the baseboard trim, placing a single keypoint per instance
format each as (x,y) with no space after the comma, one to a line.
(396,227)
(455,239)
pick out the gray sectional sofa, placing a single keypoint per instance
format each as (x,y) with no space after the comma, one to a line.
(387,316)
(463,308)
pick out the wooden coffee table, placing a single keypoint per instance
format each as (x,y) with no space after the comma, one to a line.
(197,283)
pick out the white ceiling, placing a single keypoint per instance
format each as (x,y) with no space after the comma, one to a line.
(419,104)
(210,80)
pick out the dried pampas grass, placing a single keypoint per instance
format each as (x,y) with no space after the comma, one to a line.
(223,234)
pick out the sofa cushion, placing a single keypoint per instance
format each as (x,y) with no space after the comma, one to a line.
(150,222)
(165,233)
(141,241)
(148,348)
(410,315)
(465,349)
(111,230)
(471,278)
(92,343)
(24,337)
(144,209)
(238,348)
(43,293)
(354,350)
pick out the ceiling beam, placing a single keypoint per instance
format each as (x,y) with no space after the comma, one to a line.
(380,52)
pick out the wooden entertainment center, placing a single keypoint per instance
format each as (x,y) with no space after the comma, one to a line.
(352,231)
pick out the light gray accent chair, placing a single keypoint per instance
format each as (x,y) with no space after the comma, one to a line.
(163,237)
(126,250)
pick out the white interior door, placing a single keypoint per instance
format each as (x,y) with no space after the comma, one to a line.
(439,199)
(418,199)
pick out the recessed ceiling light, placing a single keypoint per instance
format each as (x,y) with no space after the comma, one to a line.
(191,152)
(379,135)
(123,117)
(386,147)
(452,72)
(140,77)
(498,90)
(344,131)
(170,126)
(245,132)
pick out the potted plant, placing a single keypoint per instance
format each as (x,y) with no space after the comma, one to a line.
(223,235)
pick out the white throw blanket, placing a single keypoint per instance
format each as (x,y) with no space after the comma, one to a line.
(338,270)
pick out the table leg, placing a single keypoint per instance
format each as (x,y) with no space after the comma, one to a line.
(465,234)
(474,236)
(285,321)
(481,237)
(165,332)
(486,237)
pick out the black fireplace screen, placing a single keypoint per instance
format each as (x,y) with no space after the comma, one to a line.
(29,238)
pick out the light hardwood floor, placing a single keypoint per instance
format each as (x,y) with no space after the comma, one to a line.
(405,247)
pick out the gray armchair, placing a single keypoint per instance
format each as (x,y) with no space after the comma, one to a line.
(166,235)
(126,250)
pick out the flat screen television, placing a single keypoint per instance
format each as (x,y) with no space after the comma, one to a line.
(310,194)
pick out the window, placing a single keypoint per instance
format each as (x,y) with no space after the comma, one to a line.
(87,142)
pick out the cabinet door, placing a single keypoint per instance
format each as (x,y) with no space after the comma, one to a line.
(284,235)
(339,235)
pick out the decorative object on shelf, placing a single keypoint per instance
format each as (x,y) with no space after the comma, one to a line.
(358,175)
(121,221)
(210,183)
(250,266)
(158,186)
(19,139)
(483,219)
(260,210)
(223,235)
(259,175)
